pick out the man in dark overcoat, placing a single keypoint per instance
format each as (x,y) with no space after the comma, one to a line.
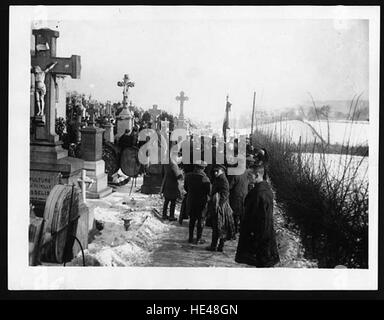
(257,242)
(238,189)
(171,187)
(198,188)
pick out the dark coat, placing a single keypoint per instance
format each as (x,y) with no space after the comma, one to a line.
(257,242)
(238,189)
(221,186)
(170,187)
(220,210)
(126,140)
(198,188)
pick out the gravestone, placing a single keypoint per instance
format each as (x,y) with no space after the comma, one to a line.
(92,152)
(49,162)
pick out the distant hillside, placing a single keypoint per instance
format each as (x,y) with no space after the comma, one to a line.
(336,105)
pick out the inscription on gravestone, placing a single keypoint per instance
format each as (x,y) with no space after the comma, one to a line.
(41,183)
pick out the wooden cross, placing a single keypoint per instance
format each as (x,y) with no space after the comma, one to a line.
(126,84)
(44,58)
(182,98)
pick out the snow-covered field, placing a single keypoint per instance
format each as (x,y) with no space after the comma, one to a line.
(355,167)
(341,132)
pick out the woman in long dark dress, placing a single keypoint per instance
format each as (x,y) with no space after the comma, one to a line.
(223,227)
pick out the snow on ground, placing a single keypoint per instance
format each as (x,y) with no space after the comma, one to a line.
(340,132)
(116,246)
(340,166)
(150,241)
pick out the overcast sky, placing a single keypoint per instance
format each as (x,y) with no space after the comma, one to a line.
(282,60)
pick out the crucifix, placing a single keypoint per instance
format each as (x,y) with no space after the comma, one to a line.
(181,98)
(126,84)
(46,66)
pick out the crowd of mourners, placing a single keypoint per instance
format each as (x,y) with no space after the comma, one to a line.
(234,206)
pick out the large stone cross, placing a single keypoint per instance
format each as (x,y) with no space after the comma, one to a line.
(181,98)
(46,66)
(126,84)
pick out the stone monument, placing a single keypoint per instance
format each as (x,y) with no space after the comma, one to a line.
(108,126)
(125,118)
(91,151)
(49,162)
(48,159)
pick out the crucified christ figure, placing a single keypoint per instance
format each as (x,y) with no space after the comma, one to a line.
(40,88)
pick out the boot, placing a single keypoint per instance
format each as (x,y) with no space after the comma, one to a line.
(221,245)
(199,234)
(191,227)
(172,211)
(213,245)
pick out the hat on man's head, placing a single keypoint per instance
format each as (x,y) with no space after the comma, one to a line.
(218,166)
(253,161)
(200,164)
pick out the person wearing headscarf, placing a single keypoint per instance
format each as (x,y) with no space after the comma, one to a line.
(223,227)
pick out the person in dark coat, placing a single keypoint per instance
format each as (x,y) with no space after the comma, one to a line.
(223,227)
(257,242)
(171,188)
(198,188)
(238,189)
(187,168)
(126,140)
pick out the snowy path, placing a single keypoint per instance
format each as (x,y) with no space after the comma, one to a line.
(153,242)
(173,250)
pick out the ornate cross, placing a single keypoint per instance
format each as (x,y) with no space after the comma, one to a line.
(126,84)
(182,98)
(45,58)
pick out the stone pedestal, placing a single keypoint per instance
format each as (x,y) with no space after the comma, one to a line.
(181,124)
(108,133)
(50,165)
(124,121)
(96,171)
(91,150)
